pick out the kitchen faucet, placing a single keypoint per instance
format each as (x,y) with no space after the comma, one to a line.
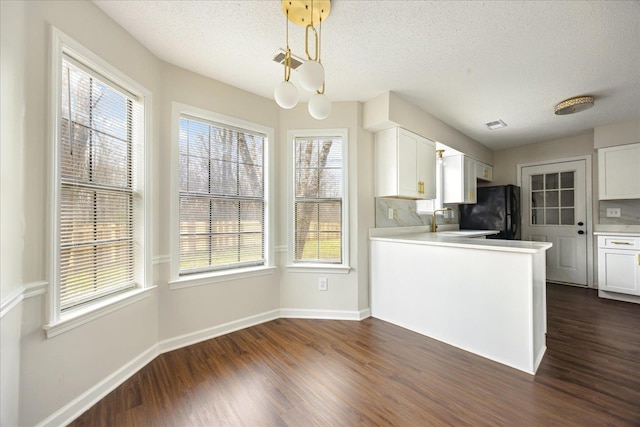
(434,227)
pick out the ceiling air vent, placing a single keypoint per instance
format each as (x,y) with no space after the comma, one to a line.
(279,58)
(496,124)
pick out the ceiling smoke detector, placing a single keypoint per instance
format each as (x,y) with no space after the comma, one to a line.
(574,105)
(280,55)
(496,124)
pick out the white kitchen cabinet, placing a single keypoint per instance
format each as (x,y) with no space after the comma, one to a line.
(619,264)
(619,172)
(459,176)
(405,165)
(484,172)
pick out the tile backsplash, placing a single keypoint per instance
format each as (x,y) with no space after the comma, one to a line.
(405,214)
(629,212)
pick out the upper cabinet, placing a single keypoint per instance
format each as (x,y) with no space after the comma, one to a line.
(405,165)
(484,172)
(619,172)
(459,176)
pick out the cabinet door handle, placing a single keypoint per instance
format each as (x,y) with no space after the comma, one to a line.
(620,243)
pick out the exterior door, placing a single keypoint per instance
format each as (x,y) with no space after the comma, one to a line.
(554,209)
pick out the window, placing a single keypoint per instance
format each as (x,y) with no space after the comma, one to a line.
(319,197)
(222,203)
(100,226)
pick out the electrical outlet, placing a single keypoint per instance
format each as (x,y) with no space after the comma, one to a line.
(613,212)
(452,214)
(390,213)
(323,284)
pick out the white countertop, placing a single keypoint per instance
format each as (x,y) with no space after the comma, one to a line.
(617,233)
(422,236)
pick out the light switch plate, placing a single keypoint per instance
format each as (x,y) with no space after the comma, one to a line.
(390,213)
(613,212)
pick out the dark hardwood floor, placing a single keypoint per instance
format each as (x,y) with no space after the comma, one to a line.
(344,373)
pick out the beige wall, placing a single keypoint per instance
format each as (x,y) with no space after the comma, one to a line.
(389,109)
(347,292)
(617,134)
(505,161)
(12,224)
(41,378)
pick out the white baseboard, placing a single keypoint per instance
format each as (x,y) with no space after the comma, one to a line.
(216,331)
(86,400)
(297,313)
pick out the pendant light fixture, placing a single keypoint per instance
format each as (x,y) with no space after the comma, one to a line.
(311,73)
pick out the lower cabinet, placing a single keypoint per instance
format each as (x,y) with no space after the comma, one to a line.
(619,264)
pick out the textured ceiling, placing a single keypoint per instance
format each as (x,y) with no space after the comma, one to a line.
(465,62)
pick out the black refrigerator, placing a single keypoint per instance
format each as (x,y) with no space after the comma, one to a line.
(498,208)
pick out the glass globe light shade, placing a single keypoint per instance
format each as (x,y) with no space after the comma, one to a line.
(286,95)
(319,106)
(311,75)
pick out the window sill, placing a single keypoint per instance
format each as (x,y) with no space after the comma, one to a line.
(219,276)
(80,316)
(318,268)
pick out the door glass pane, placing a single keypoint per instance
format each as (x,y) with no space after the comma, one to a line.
(551,199)
(551,181)
(552,217)
(537,216)
(537,199)
(566,179)
(567,216)
(566,198)
(537,182)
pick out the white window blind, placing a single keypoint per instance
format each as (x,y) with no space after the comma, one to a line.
(222,197)
(318,200)
(96,192)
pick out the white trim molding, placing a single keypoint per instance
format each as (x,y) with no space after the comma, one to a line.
(588,160)
(86,400)
(223,276)
(343,134)
(177,111)
(11,301)
(298,313)
(96,310)
(216,331)
(161,259)
(21,293)
(35,289)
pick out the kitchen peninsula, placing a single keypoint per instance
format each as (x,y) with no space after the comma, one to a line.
(484,296)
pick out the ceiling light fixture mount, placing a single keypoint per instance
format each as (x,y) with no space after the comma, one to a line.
(311,73)
(574,105)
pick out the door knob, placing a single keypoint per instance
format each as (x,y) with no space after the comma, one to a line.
(581,223)
(580,232)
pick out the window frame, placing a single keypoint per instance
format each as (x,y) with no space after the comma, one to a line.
(58,321)
(317,267)
(178,281)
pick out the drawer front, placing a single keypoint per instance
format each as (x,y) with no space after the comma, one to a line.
(619,242)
